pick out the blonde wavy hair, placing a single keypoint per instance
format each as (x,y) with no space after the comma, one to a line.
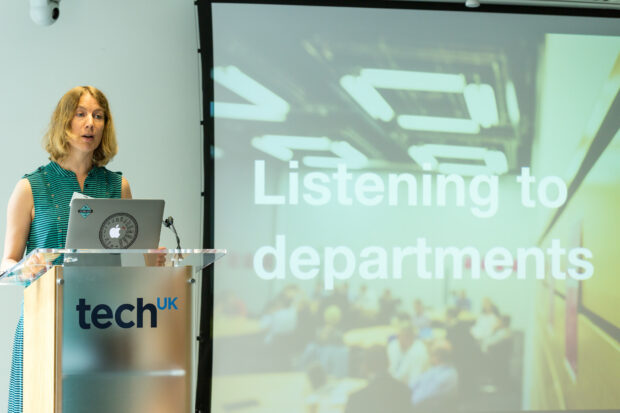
(55,139)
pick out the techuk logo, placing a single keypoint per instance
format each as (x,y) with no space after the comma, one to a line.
(103,315)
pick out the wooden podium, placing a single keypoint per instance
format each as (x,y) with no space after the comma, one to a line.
(109,330)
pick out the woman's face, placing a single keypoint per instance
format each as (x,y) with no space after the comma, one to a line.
(87,125)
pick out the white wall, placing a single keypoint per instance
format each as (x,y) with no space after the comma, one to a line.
(143,55)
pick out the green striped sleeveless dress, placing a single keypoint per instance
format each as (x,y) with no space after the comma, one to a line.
(52,189)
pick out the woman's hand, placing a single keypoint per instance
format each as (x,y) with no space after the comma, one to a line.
(155,259)
(33,266)
(161,258)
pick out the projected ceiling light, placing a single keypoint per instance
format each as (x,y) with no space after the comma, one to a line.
(363,88)
(438,124)
(495,162)
(265,105)
(410,80)
(480,100)
(367,97)
(512,104)
(347,155)
(353,159)
(282,146)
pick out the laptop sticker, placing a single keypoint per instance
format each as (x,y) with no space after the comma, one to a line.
(85,211)
(118,231)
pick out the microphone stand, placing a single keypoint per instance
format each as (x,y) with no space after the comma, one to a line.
(169,223)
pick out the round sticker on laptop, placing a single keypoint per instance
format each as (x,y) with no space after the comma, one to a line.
(118,231)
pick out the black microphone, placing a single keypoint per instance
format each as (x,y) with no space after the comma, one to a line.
(169,223)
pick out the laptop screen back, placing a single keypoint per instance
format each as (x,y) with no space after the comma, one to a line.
(96,223)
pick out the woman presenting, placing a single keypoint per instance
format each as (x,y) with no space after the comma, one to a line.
(81,141)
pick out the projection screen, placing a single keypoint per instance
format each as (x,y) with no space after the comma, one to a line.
(420,208)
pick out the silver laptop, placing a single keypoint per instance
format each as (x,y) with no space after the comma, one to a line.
(114,223)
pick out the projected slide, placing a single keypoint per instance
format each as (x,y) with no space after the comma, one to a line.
(421,209)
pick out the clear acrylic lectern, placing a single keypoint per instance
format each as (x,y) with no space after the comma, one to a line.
(109,330)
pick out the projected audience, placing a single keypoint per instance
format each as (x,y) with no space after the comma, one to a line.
(340,297)
(387,307)
(328,349)
(407,354)
(460,300)
(420,319)
(498,352)
(437,387)
(486,321)
(500,333)
(383,393)
(466,353)
(228,303)
(280,317)
(434,363)
(365,306)
(308,321)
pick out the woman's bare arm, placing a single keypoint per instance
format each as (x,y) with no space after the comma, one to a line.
(19,215)
(125,190)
